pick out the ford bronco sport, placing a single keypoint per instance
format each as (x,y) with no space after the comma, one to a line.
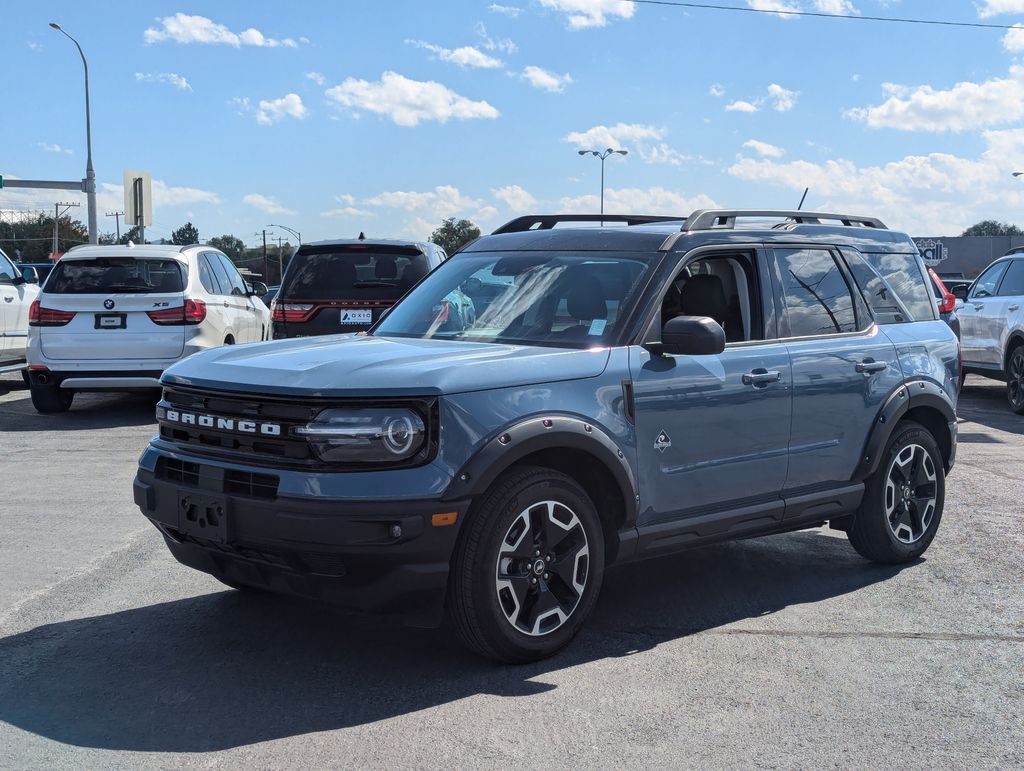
(617,393)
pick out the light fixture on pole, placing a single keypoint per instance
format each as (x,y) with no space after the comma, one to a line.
(603,155)
(90,175)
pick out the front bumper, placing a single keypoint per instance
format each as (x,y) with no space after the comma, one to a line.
(367,556)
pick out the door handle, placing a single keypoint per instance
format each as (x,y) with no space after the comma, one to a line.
(1013,308)
(870,365)
(979,306)
(761,377)
(8,299)
(226,303)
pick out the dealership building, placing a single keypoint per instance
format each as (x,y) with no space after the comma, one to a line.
(966,255)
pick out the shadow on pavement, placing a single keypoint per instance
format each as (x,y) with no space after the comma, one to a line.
(983,402)
(89,411)
(230,669)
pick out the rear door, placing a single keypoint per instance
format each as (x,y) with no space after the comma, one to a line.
(844,368)
(111,299)
(9,302)
(237,300)
(979,330)
(344,288)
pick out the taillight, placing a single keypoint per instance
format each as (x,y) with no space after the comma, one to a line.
(291,311)
(38,316)
(191,313)
(948,303)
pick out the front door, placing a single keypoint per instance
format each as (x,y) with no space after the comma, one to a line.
(979,332)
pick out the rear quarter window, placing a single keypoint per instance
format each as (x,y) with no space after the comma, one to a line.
(116,275)
(904,273)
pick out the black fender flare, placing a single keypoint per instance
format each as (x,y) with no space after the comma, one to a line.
(545,432)
(912,394)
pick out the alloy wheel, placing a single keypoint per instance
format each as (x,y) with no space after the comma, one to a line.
(542,568)
(910,493)
(1015,381)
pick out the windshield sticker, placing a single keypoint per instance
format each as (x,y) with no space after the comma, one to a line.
(597,327)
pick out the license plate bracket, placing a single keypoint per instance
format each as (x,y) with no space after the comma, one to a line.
(203,516)
(111,321)
(356,316)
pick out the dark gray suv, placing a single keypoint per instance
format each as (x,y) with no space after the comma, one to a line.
(606,394)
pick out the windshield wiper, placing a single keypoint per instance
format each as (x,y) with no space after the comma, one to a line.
(370,284)
(130,288)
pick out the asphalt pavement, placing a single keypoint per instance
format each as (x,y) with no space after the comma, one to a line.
(787,651)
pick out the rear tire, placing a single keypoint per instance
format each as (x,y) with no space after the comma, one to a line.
(903,500)
(1015,380)
(49,399)
(528,566)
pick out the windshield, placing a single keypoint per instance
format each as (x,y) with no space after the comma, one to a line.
(353,273)
(532,298)
(114,275)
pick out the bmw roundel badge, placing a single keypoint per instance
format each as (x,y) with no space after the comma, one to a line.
(108,304)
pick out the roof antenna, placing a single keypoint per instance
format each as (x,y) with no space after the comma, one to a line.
(803,198)
(362,236)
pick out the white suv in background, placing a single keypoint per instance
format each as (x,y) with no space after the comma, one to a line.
(16,296)
(112,318)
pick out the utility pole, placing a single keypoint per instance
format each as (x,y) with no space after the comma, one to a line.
(56,219)
(266,263)
(117,219)
(280,260)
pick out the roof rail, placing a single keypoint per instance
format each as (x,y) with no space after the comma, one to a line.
(711,219)
(548,221)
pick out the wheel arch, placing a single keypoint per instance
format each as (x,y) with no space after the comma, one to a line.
(567,444)
(923,402)
(1016,339)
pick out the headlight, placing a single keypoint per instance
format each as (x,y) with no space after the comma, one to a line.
(365,435)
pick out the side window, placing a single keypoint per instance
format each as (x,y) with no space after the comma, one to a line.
(815,294)
(987,282)
(1013,283)
(218,284)
(885,303)
(903,273)
(7,271)
(206,276)
(235,280)
(724,288)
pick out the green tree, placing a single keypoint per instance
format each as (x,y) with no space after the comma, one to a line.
(232,246)
(993,228)
(186,234)
(32,237)
(131,234)
(453,234)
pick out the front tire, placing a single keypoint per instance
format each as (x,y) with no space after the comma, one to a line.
(903,500)
(49,399)
(1015,380)
(528,567)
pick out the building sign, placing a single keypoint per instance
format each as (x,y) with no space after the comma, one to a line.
(932,252)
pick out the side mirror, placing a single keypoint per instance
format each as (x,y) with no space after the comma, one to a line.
(960,292)
(30,275)
(689,336)
(259,288)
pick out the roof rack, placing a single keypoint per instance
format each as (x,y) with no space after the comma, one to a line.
(711,219)
(548,221)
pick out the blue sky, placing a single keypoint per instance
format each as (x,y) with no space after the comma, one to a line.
(337,117)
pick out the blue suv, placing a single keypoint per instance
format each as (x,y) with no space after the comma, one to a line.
(614,393)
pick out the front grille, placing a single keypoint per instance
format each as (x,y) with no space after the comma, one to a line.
(215,479)
(180,471)
(250,485)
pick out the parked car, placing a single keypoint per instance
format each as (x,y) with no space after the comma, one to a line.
(40,270)
(618,393)
(332,287)
(270,294)
(17,292)
(112,318)
(992,326)
(945,301)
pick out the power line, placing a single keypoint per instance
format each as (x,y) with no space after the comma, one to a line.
(823,15)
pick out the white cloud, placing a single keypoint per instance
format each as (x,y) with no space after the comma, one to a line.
(783,99)
(505,10)
(544,80)
(442,201)
(265,204)
(316,77)
(764,149)
(934,194)
(183,28)
(466,56)
(662,154)
(844,7)
(170,78)
(504,45)
(53,148)
(964,107)
(632,200)
(716,89)
(515,198)
(616,137)
(775,6)
(583,14)
(346,211)
(999,7)
(1013,40)
(273,110)
(741,106)
(406,101)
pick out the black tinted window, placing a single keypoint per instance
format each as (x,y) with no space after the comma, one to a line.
(1013,283)
(883,300)
(353,273)
(816,296)
(112,275)
(904,274)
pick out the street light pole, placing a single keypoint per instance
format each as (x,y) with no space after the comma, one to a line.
(603,156)
(280,259)
(90,174)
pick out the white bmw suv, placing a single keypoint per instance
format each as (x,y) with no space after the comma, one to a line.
(113,318)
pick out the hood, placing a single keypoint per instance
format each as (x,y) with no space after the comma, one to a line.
(358,365)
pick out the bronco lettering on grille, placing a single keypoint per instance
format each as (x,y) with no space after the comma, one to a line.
(223,424)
